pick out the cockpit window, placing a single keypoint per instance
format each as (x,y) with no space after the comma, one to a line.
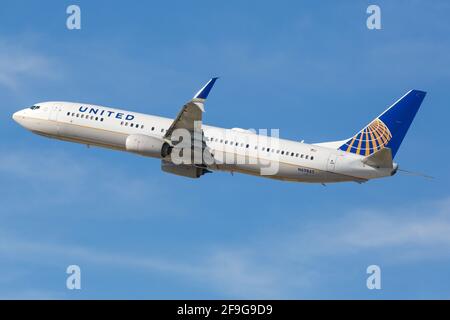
(34,107)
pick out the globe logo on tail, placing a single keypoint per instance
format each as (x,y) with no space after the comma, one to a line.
(371,139)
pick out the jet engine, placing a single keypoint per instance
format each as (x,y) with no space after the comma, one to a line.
(148,146)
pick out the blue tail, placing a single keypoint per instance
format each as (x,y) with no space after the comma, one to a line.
(389,129)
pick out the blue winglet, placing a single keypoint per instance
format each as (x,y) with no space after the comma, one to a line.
(203,93)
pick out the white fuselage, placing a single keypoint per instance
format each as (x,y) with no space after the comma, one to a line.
(244,151)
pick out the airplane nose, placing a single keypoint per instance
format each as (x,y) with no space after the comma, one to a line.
(18,116)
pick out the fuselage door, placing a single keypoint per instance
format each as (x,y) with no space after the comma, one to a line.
(53,116)
(53,113)
(332,162)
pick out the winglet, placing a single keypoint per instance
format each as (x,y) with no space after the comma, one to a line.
(203,93)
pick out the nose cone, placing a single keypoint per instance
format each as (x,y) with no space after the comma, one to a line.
(15,116)
(19,117)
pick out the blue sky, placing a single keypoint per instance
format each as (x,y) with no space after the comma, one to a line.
(310,68)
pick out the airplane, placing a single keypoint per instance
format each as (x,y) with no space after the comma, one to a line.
(367,155)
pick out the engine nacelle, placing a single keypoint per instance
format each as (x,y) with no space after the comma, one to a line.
(148,146)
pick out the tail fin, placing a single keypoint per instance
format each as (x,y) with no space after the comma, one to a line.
(389,129)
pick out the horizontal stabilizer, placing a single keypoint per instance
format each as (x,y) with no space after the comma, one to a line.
(380,159)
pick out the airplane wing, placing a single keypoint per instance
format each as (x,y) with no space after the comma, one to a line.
(190,119)
(190,116)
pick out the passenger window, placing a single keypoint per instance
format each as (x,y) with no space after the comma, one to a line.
(312,158)
(153,128)
(306,157)
(296,155)
(101,119)
(247,146)
(282,152)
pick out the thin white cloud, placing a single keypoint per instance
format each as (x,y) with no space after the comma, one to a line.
(19,63)
(237,274)
(411,227)
(68,177)
(265,270)
(40,165)
(225,272)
